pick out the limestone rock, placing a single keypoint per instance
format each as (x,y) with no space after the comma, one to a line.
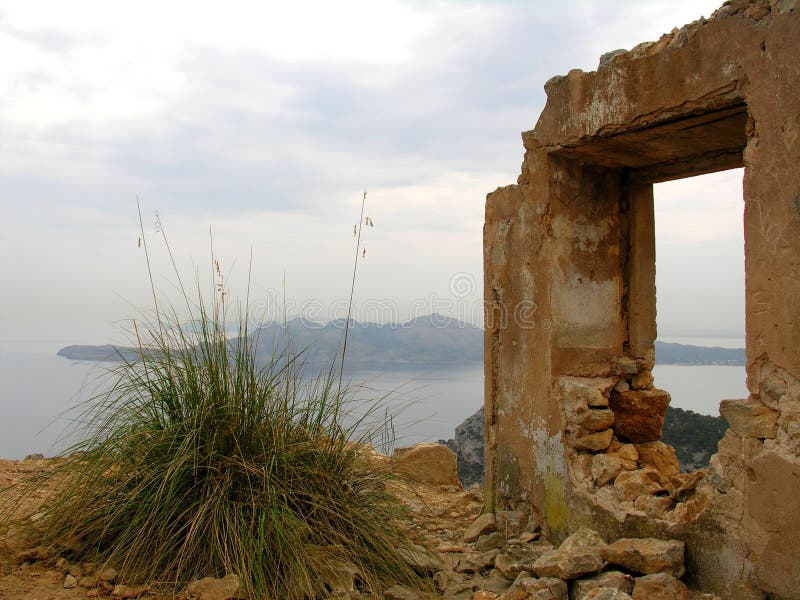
(510,522)
(610,579)
(401,592)
(583,538)
(586,391)
(773,524)
(134,591)
(596,419)
(607,593)
(476,562)
(750,419)
(605,467)
(464,593)
(447,578)
(530,588)
(484,524)
(534,523)
(632,484)
(772,388)
(343,579)
(581,470)
(686,483)
(726,467)
(210,588)
(516,558)
(659,586)
(446,548)
(646,556)
(107,574)
(489,541)
(75,570)
(595,442)
(654,506)
(433,464)
(569,564)
(628,452)
(70,582)
(639,414)
(419,559)
(642,380)
(496,583)
(33,555)
(661,457)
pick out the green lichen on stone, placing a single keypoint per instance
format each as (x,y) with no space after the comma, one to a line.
(556,511)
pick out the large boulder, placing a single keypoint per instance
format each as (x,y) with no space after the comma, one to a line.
(578,555)
(433,464)
(659,586)
(420,559)
(642,482)
(569,564)
(595,442)
(749,418)
(516,558)
(610,579)
(661,457)
(530,588)
(646,556)
(639,414)
(607,593)
(583,538)
(486,523)
(596,419)
(606,467)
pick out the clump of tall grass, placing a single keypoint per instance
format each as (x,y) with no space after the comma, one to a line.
(199,462)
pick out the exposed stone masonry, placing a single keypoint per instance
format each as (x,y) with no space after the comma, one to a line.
(573,416)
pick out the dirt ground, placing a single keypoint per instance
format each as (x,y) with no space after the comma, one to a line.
(442,516)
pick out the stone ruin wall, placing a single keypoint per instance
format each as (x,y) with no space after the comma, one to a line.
(573,420)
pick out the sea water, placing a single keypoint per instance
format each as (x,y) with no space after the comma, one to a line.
(38,387)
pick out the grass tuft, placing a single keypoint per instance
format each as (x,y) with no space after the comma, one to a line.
(199,462)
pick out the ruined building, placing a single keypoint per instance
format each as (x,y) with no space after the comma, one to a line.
(573,417)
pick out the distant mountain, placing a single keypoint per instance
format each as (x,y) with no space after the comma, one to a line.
(430,340)
(681,354)
(106,353)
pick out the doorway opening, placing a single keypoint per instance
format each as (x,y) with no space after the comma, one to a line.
(700,349)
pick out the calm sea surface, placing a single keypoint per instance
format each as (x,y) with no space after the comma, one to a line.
(38,386)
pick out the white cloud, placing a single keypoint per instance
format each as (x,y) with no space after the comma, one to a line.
(266,120)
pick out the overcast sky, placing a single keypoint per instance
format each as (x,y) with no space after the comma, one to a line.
(266,121)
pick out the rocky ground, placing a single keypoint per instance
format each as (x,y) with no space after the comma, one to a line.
(468,555)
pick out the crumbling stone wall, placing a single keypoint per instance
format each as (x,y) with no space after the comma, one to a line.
(573,420)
